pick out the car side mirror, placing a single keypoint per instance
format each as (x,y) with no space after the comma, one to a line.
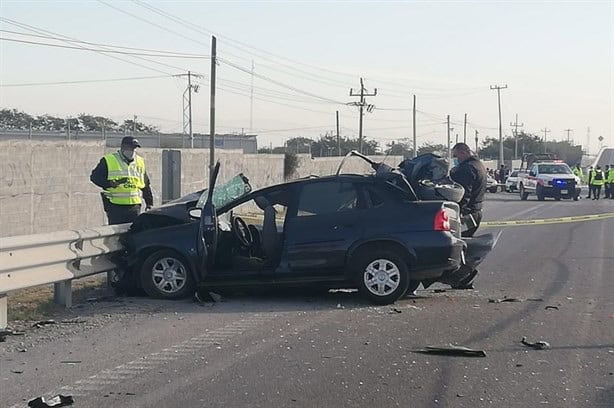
(195,213)
(532,173)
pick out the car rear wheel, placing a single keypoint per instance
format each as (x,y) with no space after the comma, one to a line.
(523,194)
(382,276)
(166,275)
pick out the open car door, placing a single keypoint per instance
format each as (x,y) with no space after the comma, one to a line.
(208,229)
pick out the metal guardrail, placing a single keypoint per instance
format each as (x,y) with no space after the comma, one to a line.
(59,258)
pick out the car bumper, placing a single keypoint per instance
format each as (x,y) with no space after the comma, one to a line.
(436,261)
(565,192)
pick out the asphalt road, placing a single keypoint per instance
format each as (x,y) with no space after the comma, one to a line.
(297,349)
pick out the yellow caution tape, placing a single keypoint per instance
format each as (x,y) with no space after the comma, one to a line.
(561,220)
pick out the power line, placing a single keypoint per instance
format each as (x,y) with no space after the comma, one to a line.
(99,49)
(362,104)
(86,81)
(146,50)
(72,40)
(498,89)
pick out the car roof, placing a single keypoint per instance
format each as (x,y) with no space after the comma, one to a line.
(317,179)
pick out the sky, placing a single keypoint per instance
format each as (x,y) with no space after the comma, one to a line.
(556,58)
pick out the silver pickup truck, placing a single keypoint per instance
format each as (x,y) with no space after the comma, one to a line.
(551,178)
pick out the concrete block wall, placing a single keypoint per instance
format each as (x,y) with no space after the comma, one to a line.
(45,186)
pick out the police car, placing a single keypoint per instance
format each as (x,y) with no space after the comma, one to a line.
(551,178)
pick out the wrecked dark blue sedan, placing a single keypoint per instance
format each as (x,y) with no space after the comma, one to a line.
(369,232)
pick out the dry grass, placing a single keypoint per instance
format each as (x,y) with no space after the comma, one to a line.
(37,303)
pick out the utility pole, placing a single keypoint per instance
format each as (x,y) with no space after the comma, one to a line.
(546,131)
(516,125)
(134,125)
(338,138)
(499,88)
(362,105)
(212,108)
(415,143)
(449,149)
(465,130)
(588,139)
(476,142)
(568,132)
(251,101)
(187,106)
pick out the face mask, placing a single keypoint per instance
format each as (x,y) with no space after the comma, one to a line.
(128,154)
(455,161)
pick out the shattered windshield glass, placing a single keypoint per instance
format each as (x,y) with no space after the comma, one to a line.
(236,187)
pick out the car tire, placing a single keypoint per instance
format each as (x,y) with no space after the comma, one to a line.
(523,194)
(166,275)
(381,275)
(576,197)
(539,193)
(492,190)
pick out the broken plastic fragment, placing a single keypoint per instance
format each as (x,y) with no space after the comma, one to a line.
(42,323)
(551,307)
(57,401)
(453,350)
(538,345)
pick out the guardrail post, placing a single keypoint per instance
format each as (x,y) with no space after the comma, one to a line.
(4,321)
(62,293)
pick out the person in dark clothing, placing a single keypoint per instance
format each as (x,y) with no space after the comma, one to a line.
(471,174)
(125,182)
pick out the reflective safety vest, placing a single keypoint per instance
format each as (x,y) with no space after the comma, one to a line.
(611,176)
(132,174)
(578,173)
(597,179)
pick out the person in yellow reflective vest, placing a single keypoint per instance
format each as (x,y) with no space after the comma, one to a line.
(590,185)
(124,181)
(606,180)
(597,180)
(577,171)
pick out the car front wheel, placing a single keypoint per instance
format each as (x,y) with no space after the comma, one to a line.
(523,194)
(382,276)
(166,275)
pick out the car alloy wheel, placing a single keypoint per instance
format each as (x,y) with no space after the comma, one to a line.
(165,274)
(169,275)
(382,277)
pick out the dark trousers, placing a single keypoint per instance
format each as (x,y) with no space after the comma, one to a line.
(477,217)
(122,214)
(596,192)
(607,190)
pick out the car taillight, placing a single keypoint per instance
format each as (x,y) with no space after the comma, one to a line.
(442,222)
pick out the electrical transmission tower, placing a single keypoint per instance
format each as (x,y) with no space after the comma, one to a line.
(362,106)
(499,88)
(516,125)
(546,131)
(187,105)
(568,137)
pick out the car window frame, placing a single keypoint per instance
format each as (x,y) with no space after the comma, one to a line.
(360,201)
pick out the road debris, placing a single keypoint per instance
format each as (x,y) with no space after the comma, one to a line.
(9,332)
(453,350)
(17,371)
(42,323)
(71,362)
(73,321)
(394,310)
(57,401)
(538,345)
(440,290)
(511,299)
(551,307)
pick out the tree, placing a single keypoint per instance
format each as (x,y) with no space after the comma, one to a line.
(527,143)
(438,149)
(14,119)
(95,123)
(399,149)
(130,124)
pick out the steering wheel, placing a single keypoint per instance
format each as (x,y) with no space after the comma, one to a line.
(242,232)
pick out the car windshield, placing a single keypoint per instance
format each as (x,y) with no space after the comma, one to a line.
(554,169)
(514,174)
(236,187)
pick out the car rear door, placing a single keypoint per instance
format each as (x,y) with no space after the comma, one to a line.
(326,223)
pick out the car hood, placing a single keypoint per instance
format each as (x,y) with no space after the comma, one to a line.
(550,177)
